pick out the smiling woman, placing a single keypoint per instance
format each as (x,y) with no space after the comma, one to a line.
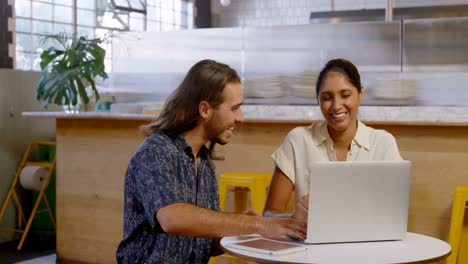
(340,93)
(341,137)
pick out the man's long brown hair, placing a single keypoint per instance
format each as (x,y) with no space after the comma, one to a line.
(205,81)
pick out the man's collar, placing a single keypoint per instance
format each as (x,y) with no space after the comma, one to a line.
(182,145)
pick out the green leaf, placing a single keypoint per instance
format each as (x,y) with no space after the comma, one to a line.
(61,38)
(64,71)
(82,91)
(49,55)
(93,86)
(73,95)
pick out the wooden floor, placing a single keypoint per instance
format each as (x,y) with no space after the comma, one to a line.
(36,250)
(93,156)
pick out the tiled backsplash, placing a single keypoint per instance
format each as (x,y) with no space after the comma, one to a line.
(254,13)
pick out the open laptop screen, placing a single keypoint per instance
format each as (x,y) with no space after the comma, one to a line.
(358,201)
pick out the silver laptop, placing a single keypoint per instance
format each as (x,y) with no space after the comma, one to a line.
(358,201)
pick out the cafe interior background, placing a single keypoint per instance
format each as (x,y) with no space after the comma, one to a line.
(411,53)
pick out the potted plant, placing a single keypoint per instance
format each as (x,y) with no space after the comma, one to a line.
(68,68)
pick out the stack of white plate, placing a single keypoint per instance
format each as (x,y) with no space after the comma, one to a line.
(263,87)
(395,89)
(128,107)
(303,85)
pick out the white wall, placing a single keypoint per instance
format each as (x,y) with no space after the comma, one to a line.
(254,13)
(17,95)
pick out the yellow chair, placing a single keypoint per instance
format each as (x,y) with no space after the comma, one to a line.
(460,199)
(255,182)
(13,195)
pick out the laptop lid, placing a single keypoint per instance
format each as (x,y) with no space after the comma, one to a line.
(358,201)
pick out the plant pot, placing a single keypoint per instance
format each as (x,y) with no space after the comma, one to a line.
(75,109)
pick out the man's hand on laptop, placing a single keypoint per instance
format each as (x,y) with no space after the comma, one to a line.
(272,227)
(302,209)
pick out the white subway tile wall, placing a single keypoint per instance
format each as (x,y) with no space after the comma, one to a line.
(258,13)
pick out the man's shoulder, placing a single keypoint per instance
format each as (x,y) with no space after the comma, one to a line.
(157,143)
(159,138)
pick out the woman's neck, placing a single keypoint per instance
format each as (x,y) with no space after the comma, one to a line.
(343,139)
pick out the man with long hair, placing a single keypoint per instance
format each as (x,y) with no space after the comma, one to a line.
(171,210)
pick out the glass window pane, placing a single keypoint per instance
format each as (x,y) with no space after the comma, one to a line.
(190,16)
(88,4)
(153,26)
(136,4)
(167,4)
(184,7)
(121,3)
(137,24)
(108,65)
(167,27)
(85,31)
(190,7)
(177,18)
(23,25)
(184,21)
(63,28)
(108,20)
(63,14)
(107,47)
(152,2)
(40,27)
(103,34)
(64,2)
(86,17)
(36,61)
(177,6)
(42,11)
(167,16)
(23,61)
(153,13)
(23,42)
(23,8)
(137,15)
(39,44)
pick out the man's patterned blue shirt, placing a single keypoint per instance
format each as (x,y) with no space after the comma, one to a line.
(160,173)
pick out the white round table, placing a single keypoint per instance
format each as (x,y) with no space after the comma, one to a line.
(415,248)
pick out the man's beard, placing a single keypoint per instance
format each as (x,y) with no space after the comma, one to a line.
(215,131)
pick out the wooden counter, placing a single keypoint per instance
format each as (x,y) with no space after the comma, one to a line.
(93,154)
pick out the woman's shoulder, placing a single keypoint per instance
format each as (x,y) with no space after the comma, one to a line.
(383,144)
(380,135)
(306,133)
(299,131)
